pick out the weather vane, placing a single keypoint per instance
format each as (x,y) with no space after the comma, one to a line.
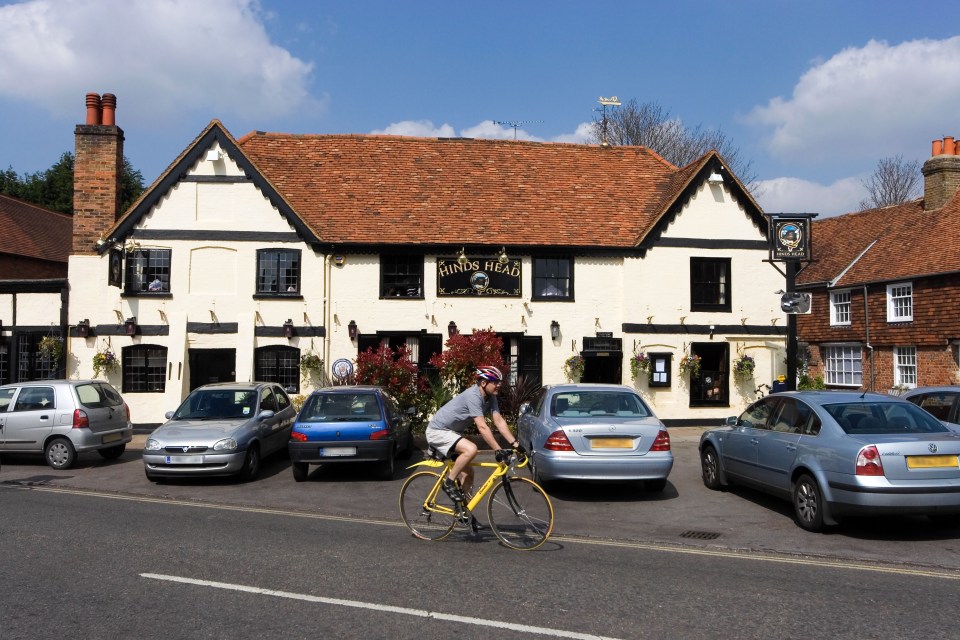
(515,125)
(612,101)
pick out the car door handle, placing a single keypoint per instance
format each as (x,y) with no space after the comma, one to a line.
(754,441)
(791,447)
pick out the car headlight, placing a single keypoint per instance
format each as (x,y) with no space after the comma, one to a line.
(227,444)
(151,445)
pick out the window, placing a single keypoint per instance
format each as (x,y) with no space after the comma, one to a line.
(900,302)
(844,365)
(35,399)
(758,414)
(144,369)
(905,366)
(148,271)
(280,364)
(552,279)
(840,307)
(401,276)
(268,402)
(32,364)
(710,284)
(660,364)
(278,271)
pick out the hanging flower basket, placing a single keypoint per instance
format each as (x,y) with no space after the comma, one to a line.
(639,363)
(104,362)
(573,368)
(690,364)
(51,347)
(743,367)
(311,364)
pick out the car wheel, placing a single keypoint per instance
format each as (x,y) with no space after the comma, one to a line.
(710,467)
(808,503)
(386,470)
(535,472)
(251,464)
(60,453)
(946,520)
(408,448)
(300,471)
(112,453)
(657,485)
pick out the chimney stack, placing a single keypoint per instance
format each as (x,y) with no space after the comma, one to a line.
(97,169)
(941,174)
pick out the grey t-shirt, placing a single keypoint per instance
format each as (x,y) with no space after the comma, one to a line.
(458,414)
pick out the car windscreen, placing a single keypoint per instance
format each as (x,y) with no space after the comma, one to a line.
(867,417)
(574,404)
(340,407)
(218,404)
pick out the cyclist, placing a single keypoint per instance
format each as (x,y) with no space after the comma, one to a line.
(445,431)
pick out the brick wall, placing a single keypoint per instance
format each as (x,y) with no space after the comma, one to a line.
(941,180)
(97,170)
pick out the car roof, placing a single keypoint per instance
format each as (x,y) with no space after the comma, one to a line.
(835,397)
(245,386)
(918,390)
(588,386)
(47,383)
(348,389)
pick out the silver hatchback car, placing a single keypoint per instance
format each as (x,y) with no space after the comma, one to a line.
(63,418)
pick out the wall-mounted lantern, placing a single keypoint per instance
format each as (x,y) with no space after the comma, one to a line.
(130,326)
(288,331)
(352,330)
(451,329)
(83,328)
(555,330)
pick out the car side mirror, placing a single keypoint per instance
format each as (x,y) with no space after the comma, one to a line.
(168,415)
(265,414)
(524,408)
(732,421)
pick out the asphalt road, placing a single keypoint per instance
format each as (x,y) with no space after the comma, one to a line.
(685,515)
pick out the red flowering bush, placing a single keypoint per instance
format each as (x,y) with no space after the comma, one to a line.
(392,370)
(458,363)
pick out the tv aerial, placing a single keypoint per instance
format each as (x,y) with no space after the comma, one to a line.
(612,101)
(516,125)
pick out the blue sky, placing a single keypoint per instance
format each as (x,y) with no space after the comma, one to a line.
(813,93)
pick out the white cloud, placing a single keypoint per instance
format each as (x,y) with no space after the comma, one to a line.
(159,58)
(486,130)
(794,195)
(582,135)
(418,128)
(867,103)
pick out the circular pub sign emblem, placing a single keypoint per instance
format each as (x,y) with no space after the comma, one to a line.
(342,369)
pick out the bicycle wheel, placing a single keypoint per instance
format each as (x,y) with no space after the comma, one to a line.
(520,513)
(419,514)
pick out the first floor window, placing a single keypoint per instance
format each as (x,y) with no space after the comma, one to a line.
(278,271)
(840,307)
(710,284)
(280,364)
(900,302)
(553,278)
(905,367)
(148,271)
(144,369)
(401,276)
(844,365)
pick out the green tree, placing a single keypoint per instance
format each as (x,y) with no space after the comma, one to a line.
(53,188)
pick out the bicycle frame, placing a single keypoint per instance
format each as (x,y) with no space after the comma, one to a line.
(500,470)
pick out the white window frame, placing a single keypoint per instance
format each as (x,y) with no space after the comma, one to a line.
(843,364)
(840,307)
(900,302)
(905,367)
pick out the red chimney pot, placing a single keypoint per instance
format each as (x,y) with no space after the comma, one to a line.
(109,109)
(937,148)
(949,146)
(93,108)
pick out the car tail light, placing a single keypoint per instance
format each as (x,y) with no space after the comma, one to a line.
(298,437)
(558,442)
(126,408)
(80,419)
(382,434)
(868,462)
(662,443)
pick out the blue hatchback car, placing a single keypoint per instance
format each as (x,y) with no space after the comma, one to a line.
(350,424)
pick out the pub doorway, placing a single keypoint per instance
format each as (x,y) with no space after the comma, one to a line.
(212,365)
(711,387)
(602,360)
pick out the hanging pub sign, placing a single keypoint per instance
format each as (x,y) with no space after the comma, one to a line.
(494,277)
(790,238)
(115,270)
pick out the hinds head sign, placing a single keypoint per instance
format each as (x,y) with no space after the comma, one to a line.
(478,277)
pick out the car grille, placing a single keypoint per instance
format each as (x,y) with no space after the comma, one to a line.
(182,450)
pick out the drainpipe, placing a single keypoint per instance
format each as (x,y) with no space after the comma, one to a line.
(866,324)
(327,283)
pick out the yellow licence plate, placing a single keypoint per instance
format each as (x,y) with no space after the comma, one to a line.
(611,443)
(111,437)
(932,462)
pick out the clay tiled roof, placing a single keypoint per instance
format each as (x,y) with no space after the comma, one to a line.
(897,242)
(34,232)
(368,189)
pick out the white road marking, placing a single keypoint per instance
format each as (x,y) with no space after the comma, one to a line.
(767,556)
(376,606)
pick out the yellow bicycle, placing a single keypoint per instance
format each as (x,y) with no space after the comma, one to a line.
(519,512)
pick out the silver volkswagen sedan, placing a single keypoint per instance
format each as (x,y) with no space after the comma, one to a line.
(835,453)
(594,432)
(220,430)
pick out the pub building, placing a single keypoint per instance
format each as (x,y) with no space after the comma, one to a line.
(247,253)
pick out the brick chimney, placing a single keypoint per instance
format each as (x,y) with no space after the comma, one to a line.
(97,168)
(941,173)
